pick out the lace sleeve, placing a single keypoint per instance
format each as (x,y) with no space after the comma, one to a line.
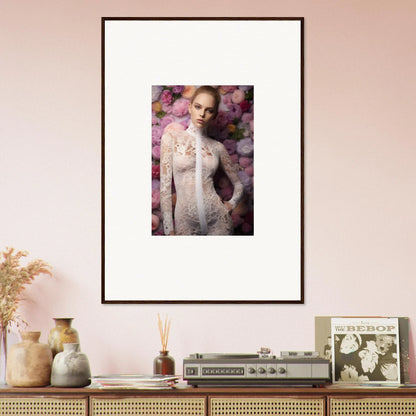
(232,174)
(166,157)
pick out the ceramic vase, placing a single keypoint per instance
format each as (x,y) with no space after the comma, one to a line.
(70,368)
(164,364)
(29,363)
(63,333)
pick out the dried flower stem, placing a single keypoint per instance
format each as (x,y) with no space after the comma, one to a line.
(164,331)
(13,278)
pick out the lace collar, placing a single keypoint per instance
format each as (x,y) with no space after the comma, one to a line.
(195,131)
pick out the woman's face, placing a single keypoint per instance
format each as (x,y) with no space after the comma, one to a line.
(202,110)
(349,344)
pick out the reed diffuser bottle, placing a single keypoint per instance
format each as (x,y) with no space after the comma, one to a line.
(164,364)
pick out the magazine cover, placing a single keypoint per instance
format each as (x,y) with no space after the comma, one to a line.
(365,350)
(323,341)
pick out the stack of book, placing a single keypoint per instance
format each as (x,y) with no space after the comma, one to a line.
(145,382)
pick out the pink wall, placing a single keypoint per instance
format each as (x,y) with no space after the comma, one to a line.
(360,222)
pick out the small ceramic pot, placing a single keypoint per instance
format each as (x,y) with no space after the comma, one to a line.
(29,362)
(70,368)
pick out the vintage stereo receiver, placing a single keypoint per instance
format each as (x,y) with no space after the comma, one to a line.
(262,369)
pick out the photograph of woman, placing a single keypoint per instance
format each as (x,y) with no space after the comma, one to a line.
(191,203)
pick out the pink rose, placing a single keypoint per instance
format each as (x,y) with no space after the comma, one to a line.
(177,89)
(234,158)
(228,88)
(155,198)
(155,171)
(156,152)
(235,112)
(166,97)
(249,170)
(245,161)
(245,106)
(180,107)
(166,120)
(247,117)
(167,108)
(156,135)
(155,222)
(155,120)
(227,101)
(238,96)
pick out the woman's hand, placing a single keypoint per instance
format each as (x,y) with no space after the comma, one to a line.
(172,232)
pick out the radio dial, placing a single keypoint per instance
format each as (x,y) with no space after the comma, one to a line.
(281,370)
(261,370)
(272,370)
(251,370)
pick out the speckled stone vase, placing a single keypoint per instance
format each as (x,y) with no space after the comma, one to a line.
(70,368)
(63,333)
(29,363)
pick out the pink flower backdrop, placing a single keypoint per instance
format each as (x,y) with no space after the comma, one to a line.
(233,126)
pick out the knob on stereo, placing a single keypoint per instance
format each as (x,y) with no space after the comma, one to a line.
(272,370)
(251,370)
(261,370)
(281,370)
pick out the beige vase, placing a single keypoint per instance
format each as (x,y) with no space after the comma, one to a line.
(63,333)
(29,363)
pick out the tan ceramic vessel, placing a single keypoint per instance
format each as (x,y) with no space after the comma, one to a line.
(29,363)
(63,333)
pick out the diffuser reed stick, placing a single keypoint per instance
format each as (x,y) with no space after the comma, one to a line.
(164,329)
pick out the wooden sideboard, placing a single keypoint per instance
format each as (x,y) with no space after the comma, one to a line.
(245,401)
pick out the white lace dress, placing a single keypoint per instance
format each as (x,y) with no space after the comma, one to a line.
(191,158)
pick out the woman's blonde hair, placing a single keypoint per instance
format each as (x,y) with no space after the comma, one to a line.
(207,89)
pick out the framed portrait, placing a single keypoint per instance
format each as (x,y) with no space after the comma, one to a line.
(202,160)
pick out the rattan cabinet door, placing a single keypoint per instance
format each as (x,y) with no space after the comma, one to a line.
(148,406)
(393,406)
(42,406)
(267,406)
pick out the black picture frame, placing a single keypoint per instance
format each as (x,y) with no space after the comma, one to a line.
(132,272)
